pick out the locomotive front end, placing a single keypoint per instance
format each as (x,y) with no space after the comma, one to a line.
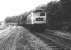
(37,17)
(37,20)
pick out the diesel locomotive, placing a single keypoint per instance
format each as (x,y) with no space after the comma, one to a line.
(35,21)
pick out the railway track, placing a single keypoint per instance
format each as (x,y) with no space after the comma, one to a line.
(66,35)
(55,42)
(64,41)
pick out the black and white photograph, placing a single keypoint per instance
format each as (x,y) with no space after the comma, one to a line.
(35,24)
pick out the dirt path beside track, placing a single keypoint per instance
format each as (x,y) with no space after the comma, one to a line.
(20,38)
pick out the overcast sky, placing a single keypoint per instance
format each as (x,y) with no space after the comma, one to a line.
(16,7)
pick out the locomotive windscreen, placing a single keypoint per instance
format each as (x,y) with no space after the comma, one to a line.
(42,14)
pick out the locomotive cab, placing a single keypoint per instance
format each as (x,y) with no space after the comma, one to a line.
(37,17)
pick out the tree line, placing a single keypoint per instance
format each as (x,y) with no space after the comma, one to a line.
(58,14)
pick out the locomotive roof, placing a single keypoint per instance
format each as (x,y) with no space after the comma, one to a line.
(38,10)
